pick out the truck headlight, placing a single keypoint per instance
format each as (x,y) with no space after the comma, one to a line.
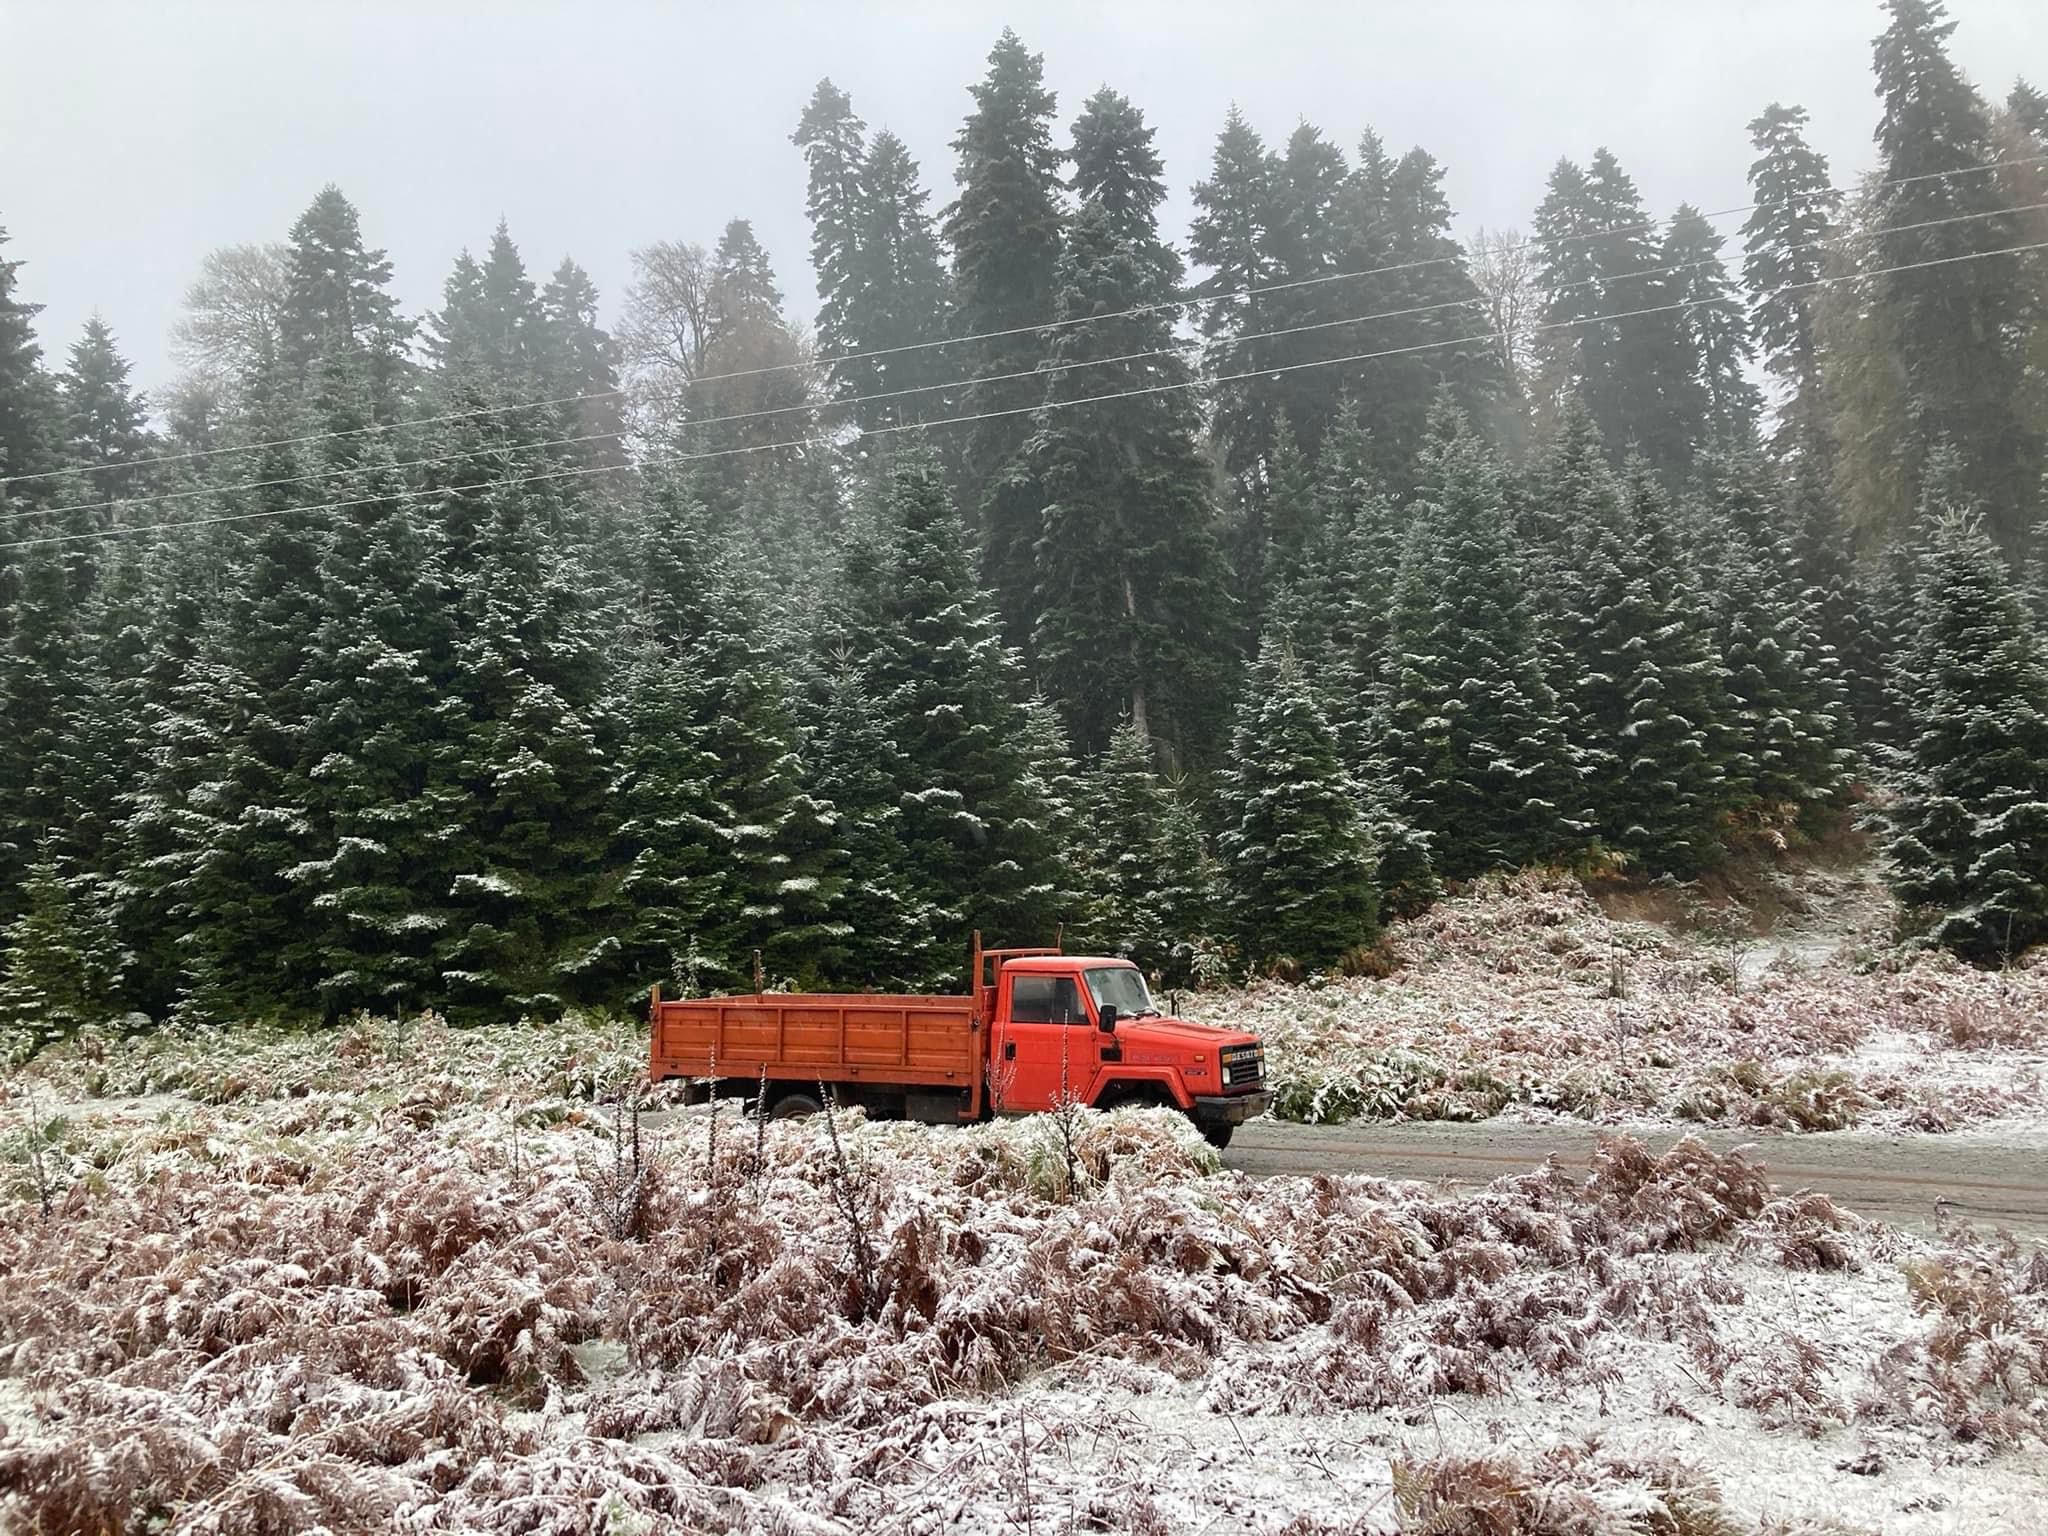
(1226,1077)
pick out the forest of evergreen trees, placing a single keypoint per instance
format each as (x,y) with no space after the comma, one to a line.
(1218,599)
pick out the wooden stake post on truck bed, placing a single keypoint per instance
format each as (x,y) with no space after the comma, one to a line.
(1061,1024)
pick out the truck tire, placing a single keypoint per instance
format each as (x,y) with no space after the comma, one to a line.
(795,1106)
(1216,1133)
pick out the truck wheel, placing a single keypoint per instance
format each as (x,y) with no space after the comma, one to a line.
(1217,1133)
(794,1106)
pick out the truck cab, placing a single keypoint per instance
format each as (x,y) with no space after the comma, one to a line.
(1085,1029)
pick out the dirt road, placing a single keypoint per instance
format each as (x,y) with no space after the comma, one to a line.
(1899,1180)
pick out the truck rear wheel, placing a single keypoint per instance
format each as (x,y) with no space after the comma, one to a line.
(795,1106)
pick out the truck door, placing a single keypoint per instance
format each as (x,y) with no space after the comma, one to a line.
(1043,1016)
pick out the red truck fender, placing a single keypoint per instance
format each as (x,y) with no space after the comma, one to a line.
(1114,1077)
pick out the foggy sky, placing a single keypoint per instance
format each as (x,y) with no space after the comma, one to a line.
(134,138)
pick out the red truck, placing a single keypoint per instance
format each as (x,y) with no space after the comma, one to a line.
(1038,1026)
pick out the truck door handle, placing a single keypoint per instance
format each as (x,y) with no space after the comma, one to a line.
(1009,1050)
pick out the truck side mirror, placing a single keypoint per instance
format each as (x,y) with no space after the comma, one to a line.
(1105,1018)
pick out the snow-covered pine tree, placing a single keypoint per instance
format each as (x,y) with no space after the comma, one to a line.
(578,364)
(1350,586)
(1790,713)
(833,139)
(892,939)
(1230,235)
(1834,593)
(41,690)
(1796,205)
(1969,831)
(60,965)
(1471,731)
(30,412)
(902,295)
(168,709)
(1004,231)
(1719,401)
(528,925)
(1599,269)
(1650,689)
(1188,890)
(384,789)
(244,830)
(1126,832)
(975,851)
(1132,606)
(783,871)
(1069,837)
(1298,866)
(1955,326)
(106,424)
(338,301)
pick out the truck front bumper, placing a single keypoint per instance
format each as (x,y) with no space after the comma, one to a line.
(1232,1109)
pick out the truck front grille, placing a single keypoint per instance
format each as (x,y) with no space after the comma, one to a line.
(1244,1066)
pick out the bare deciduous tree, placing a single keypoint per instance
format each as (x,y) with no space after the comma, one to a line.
(230,329)
(1504,267)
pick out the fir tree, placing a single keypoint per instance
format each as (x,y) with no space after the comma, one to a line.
(2029,109)
(1132,606)
(889,940)
(975,849)
(1650,689)
(1835,597)
(62,966)
(1969,834)
(673,882)
(1131,812)
(246,831)
(41,692)
(1004,230)
(1789,712)
(901,300)
(751,399)
(1298,868)
(578,363)
(834,143)
(1955,323)
(1614,340)
(337,301)
(1231,236)
(168,706)
(28,406)
(1471,731)
(106,424)
(528,929)
(1714,329)
(384,788)
(1783,261)
(1394,224)
(781,870)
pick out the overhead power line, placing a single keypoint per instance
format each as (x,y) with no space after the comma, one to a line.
(1192,296)
(665,460)
(1041,370)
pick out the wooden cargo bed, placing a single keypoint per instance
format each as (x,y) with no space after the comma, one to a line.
(808,1037)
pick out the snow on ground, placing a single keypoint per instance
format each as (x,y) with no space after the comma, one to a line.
(1524,998)
(409,1279)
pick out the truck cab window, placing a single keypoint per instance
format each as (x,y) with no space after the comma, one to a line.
(1045,1000)
(1121,986)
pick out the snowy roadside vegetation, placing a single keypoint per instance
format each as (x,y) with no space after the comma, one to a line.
(1523,997)
(414,1280)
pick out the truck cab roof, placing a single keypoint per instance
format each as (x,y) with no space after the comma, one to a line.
(1064,963)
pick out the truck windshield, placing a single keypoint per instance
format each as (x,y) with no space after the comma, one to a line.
(1120,987)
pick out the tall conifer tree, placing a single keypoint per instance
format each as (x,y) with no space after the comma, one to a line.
(1004,230)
